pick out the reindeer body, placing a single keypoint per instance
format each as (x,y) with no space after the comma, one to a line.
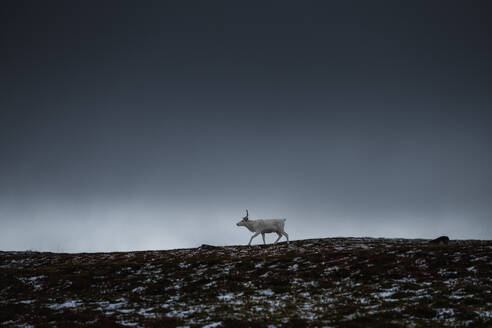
(263,227)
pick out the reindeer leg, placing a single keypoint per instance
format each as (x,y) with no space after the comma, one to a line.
(279,236)
(263,235)
(286,236)
(256,234)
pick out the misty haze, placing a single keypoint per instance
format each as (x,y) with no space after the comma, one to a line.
(124,133)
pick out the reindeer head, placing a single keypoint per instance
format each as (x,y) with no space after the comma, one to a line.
(244,220)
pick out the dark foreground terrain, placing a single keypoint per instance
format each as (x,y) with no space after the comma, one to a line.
(335,282)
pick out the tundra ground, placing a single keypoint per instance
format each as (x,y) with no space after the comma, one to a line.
(333,282)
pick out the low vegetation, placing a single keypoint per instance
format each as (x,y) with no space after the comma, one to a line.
(334,282)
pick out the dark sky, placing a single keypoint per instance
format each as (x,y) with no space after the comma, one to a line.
(154,124)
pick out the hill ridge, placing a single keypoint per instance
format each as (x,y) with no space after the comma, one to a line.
(339,282)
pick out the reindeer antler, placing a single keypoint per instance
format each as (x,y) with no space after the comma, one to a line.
(247,214)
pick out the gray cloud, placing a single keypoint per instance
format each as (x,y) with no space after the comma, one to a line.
(154,127)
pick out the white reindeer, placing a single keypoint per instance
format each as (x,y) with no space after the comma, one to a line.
(263,227)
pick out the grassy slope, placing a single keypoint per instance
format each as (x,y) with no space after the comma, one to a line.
(340,282)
